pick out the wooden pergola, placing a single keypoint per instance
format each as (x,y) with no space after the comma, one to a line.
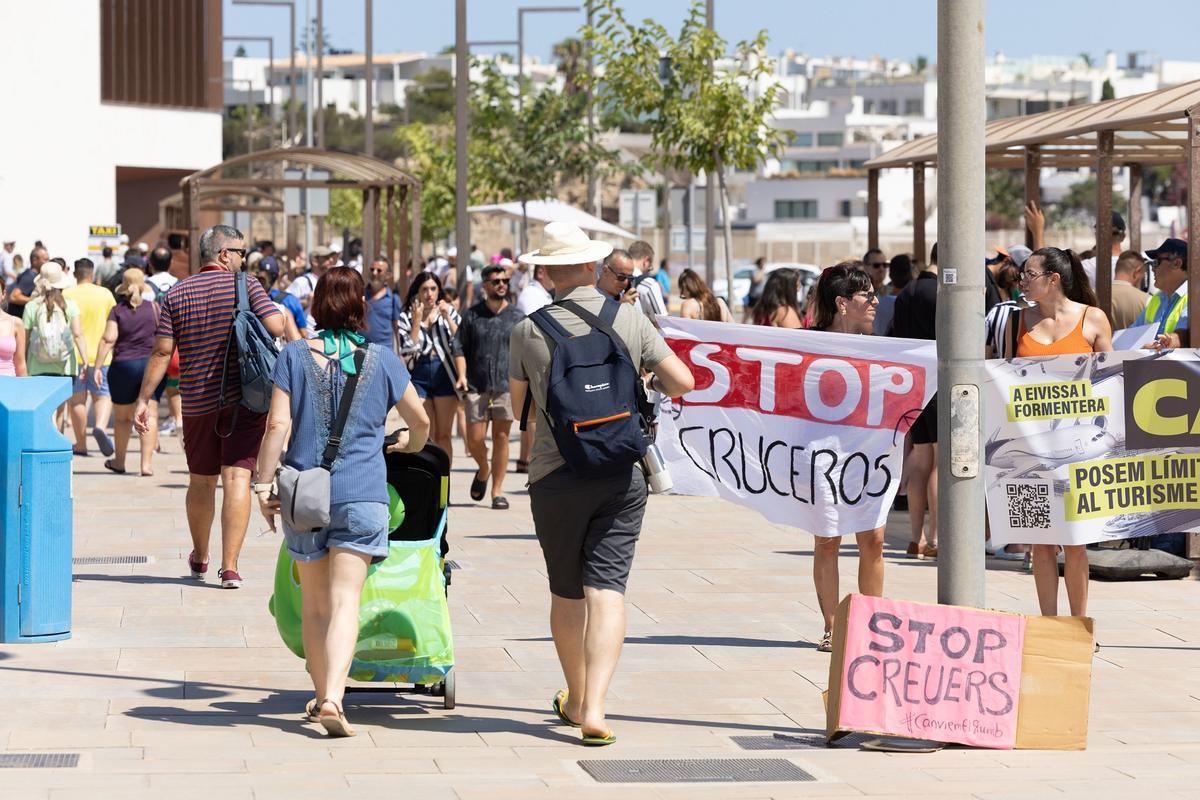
(217,199)
(1159,127)
(390,196)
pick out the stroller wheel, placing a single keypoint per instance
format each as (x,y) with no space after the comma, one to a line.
(448,690)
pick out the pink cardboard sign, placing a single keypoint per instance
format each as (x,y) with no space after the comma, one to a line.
(937,672)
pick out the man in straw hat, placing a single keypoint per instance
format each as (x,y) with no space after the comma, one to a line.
(587,527)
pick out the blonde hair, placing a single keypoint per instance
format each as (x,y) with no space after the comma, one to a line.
(133,283)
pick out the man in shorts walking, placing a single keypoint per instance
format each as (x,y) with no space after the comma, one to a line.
(197,316)
(587,527)
(484,335)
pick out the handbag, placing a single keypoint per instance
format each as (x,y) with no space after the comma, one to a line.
(304,494)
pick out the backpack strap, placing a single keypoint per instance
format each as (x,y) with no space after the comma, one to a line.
(335,434)
(241,303)
(608,314)
(557,335)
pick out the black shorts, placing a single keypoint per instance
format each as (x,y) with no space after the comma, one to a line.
(588,528)
(924,430)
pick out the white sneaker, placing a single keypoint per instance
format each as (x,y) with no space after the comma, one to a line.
(167,428)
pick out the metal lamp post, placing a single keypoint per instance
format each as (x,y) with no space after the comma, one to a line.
(521,12)
(290,5)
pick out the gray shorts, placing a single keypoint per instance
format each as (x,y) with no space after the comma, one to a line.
(361,527)
(588,528)
(484,406)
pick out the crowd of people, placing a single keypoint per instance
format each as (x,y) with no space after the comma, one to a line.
(475,348)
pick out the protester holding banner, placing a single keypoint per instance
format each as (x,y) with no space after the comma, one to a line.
(779,304)
(1065,321)
(845,303)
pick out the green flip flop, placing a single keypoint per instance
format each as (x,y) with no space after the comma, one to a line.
(600,741)
(558,704)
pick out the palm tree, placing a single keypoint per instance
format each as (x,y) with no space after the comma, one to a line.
(569,54)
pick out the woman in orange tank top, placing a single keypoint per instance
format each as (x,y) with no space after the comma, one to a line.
(1065,321)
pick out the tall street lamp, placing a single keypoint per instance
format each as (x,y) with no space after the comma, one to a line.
(290,5)
(521,12)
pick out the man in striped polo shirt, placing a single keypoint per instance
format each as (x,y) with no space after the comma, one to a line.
(197,315)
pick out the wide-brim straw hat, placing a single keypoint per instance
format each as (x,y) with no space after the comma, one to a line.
(51,276)
(563,245)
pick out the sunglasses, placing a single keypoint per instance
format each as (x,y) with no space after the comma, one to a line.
(241,251)
(870,296)
(496,281)
(383,271)
(622,277)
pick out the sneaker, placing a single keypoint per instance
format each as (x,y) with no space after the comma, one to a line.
(913,551)
(167,428)
(826,645)
(199,568)
(229,579)
(1004,554)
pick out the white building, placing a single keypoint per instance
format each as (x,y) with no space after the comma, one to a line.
(98,132)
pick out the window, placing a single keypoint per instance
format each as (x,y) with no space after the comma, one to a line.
(914,107)
(856,163)
(795,209)
(800,139)
(813,166)
(849,208)
(830,139)
(887,107)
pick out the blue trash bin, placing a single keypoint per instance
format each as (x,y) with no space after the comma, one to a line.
(35,522)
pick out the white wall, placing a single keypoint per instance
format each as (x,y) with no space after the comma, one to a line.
(59,147)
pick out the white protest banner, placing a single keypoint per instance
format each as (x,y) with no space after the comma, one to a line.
(1090,448)
(804,427)
(1134,338)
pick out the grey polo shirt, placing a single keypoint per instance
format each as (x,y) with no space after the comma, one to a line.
(529,360)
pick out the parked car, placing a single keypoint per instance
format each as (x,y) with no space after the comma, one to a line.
(742,275)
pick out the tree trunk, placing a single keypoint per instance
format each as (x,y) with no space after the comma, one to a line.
(524,226)
(727,231)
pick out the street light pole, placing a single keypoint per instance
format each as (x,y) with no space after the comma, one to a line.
(710,198)
(521,12)
(320,34)
(290,5)
(594,200)
(961,115)
(370,88)
(462,79)
(308,130)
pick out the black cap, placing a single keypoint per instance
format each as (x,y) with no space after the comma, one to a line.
(490,269)
(1170,247)
(1118,222)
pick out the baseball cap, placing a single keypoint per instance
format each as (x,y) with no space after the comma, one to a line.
(1118,222)
(1171,247)
(1019,254)
(452,252)
(321,251)
(1001,254)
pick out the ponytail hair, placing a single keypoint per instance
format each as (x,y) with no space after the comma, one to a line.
(1068,267)
(843,280)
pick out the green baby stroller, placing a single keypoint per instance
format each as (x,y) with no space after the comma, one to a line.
(404,620)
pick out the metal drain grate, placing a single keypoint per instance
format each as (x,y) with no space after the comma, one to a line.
(38,760)
(694,770)
(781,741)
(86,560)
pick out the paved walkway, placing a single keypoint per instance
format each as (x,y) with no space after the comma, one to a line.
(174,689)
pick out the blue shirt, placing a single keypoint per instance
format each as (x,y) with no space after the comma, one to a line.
(381,318)
(292,304)
(358,473)
(1165,304)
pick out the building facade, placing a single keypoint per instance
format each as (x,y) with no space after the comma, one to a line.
(108,105)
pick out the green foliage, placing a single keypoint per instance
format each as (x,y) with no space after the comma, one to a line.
(432,98)
(572,64)
(1078,205)
(699,119)
(523,153)
(1004,198)
(345,210)
(1107,92)
(430,159)
(920,64)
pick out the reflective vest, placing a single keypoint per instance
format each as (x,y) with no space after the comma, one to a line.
(1173,315)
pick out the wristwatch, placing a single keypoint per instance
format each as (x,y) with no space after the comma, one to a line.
(259,488)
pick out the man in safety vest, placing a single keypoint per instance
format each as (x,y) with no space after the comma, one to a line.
(1169,308)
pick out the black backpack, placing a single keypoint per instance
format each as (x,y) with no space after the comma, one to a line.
(595,401)
(256,353)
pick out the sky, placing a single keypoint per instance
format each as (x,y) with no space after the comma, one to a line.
(899,29)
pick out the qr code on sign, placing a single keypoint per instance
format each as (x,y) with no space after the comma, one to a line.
(1028,505)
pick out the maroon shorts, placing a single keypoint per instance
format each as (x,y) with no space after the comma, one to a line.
(208,450)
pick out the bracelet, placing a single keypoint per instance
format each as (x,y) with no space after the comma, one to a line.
(263,487)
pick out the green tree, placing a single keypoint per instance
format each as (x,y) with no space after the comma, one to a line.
(571,64)
(1107,92)
(431,99)
(920,64)
(523,155)
(1078,205)
(1004,197)
(345,210)
(700,119)
(1086,58)
(430,158)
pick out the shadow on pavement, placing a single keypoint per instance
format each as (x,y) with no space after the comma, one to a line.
(146,579)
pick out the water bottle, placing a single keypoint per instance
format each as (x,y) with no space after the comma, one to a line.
(658,477)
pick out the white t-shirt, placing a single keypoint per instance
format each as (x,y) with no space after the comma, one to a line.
(533,297)
(650,296)
(7,271)
(1089,266)
(163,281)
(302,288)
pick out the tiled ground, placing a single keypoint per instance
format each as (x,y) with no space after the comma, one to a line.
(174,689)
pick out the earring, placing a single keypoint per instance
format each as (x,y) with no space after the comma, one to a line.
(843,311)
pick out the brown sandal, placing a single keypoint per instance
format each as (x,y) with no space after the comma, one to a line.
(335,725)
